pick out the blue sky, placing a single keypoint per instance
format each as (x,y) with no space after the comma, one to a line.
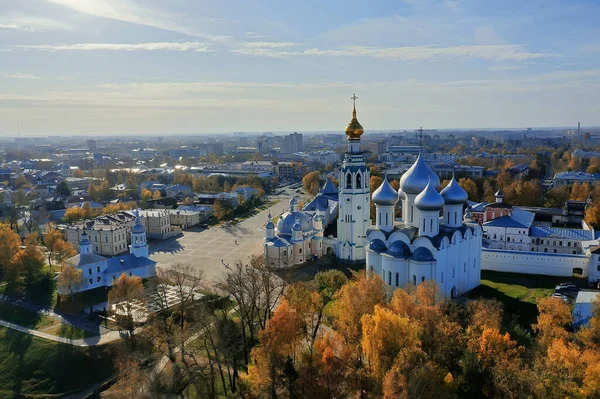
(132,67)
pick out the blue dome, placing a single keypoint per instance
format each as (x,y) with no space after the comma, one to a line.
(297,227)
(398,249)
(288,219)
(138,228)
(270,225)
(84,239)
(385,194)
(454,194)
(422,254)
(377,245)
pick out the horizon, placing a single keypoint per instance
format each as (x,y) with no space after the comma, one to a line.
(87,68)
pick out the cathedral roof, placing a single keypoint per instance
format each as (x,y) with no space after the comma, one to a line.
(329,188)
(398,249)
(385,194)
(288,219)
(454,194)
(415,179)
(422,254)
(429,199)
(127,262)
(85,259)
(377,245)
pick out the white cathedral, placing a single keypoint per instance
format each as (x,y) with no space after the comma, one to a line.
(430,242)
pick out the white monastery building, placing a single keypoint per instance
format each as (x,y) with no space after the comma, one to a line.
(430,242)
(98,271)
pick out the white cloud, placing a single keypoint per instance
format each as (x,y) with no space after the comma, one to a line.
(132,12)
(164,46)
(274,45)
(415,53)
(17,76)
(23,22)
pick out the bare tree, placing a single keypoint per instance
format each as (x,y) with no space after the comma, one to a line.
(256,292)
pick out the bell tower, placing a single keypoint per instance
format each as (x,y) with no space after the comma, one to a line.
(354,197)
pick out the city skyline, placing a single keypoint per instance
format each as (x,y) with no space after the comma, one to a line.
(80,67)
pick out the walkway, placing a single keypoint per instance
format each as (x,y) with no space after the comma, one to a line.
(83,342)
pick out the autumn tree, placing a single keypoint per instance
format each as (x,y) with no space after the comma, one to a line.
(69,281)
(553,321)
(146,194)
(273,369)
(470,187)
(73,214)
(122,297)
(9,247)
(311,182)
(30,261)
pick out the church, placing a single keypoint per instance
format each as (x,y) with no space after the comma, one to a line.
(99,271)
(431,241)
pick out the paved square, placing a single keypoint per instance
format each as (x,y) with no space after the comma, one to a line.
(209,249)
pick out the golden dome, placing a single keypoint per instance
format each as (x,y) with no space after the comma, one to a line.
(354,129)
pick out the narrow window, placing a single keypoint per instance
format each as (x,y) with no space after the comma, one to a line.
(414,279)
(387,221)
(91,281)
(431,225)
(398,278)
(389,278)
(358,182)
(98,269)
(422,278)
(90,270)
(98,279)
(348,180)
(455,218)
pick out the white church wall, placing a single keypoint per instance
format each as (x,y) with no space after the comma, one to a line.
(533,263)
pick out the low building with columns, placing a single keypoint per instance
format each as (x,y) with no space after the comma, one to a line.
(432,241)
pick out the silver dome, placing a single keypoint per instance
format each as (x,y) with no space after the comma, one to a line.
(415,179)
(288,219)
(429,199)
(385,194)
(401,194)
(454,194)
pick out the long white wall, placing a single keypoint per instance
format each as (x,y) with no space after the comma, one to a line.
(533,262)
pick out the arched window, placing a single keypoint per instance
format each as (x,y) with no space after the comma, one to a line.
(414,279)
(358,182)
(348,180)
(389,278)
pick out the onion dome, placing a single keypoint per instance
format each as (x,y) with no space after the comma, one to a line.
(137,228)
(84,239)
(293,201)
(377,245)
(297,226)
(354,129)
(415,179)
(454,194)
(429,199)
(398,249)
(401,194)
(270,225)
(422,254)
(385,194)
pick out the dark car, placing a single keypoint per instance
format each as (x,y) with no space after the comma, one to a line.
(567,289)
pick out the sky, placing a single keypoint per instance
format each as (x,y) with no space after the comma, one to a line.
(108,67)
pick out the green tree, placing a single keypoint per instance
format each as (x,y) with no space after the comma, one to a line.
(63,189)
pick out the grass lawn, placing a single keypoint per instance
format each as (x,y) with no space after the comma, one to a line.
(68,331)
(33,367)
(519,292)
(24,317)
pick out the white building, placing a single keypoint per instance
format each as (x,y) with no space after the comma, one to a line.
(98,271)
(514,244)
(424,246)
